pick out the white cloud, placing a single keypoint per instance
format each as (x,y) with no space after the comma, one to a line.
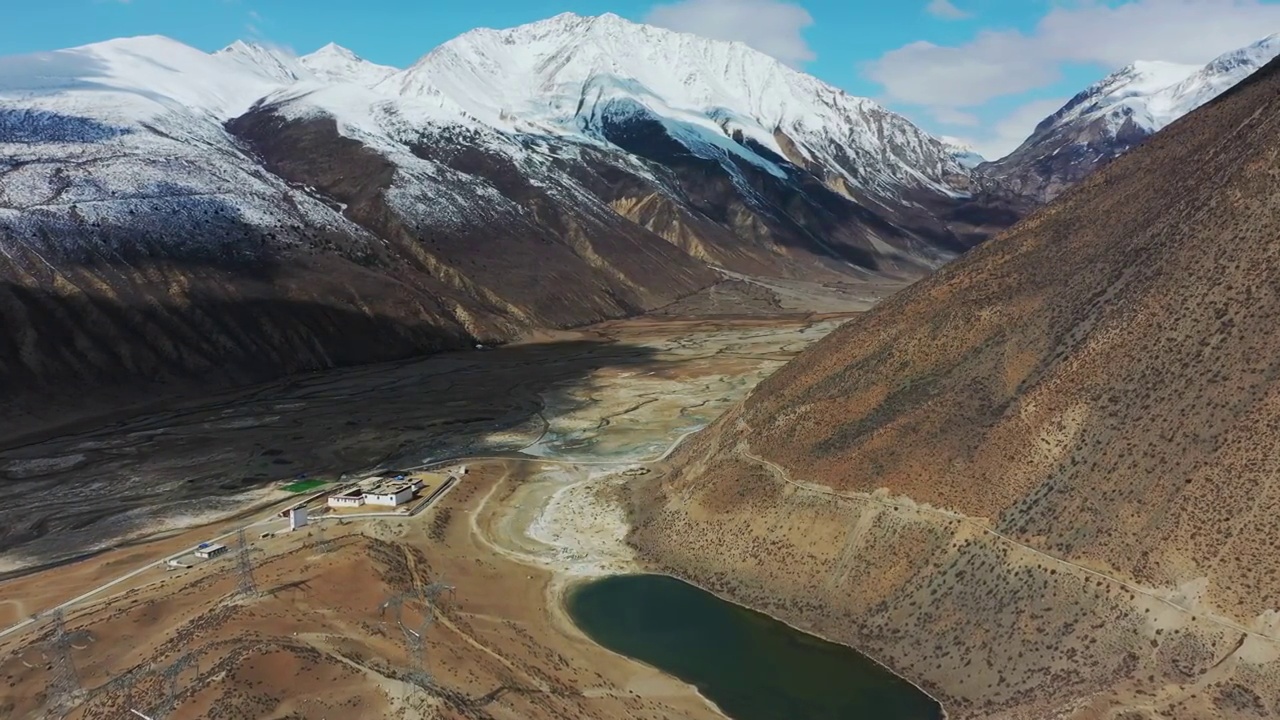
(770,26)
(946,10)
(999,63)
(952,116)
(1007,134)
(950,83)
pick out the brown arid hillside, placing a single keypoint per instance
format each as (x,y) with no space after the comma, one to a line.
(1042,483)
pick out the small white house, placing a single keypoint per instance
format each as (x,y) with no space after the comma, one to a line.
(390,496)
(297,517)
(210,551)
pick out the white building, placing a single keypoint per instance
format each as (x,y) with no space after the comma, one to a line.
(210,551)
(391,495)
(355,498)
(297,517)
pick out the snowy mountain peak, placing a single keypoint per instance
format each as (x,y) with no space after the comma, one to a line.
(334,50)
(269,62)
(1151,94)
(1143,77)
(574,75)
(335,63)
(965,154)
(1114,114)
(1151,74)
(130,80)
(1250,57)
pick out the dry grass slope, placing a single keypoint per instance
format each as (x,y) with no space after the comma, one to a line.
(1043,482)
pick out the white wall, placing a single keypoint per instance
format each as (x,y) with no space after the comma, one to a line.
(399,498)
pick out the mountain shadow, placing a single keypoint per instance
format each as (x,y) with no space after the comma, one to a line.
(123,475)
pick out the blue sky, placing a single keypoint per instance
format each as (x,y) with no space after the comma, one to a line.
(982,70)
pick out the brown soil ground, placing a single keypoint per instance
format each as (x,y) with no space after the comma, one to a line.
(511,535)
(315,645)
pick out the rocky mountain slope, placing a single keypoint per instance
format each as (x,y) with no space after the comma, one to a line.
(1042,482)
(167,214)
(1113,115)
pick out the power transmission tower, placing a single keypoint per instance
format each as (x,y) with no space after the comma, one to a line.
(414,635)
(247,587)
(432,593)
(64,683)
(171,675)
(118,691)
(169,687)
(323,543)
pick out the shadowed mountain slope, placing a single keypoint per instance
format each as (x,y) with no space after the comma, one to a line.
(1042,482)
(149,191)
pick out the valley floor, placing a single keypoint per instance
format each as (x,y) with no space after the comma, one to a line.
(570,422)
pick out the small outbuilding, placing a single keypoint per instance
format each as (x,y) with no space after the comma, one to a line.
(210,551)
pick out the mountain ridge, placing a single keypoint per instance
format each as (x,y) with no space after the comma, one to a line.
(575,62)
(1115,114)
(143,171)
(1038,483)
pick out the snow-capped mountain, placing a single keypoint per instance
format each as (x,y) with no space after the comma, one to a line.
(256,211)
(582,76)
(262,60)
(1111,116)
(965,154)
(133,79)
(335,63)
(1126,93)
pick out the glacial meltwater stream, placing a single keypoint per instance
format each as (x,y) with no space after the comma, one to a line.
(750,665)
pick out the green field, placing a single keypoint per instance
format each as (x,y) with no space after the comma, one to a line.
(304,485)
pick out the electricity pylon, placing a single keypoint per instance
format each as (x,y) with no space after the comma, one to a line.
(247,586)
(414,634)
(64,688)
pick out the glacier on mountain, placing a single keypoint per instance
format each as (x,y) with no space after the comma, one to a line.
(559,75)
